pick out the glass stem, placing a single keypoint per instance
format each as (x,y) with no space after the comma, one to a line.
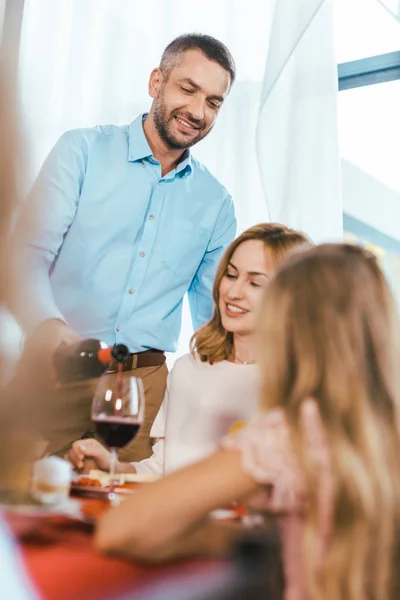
(113,462)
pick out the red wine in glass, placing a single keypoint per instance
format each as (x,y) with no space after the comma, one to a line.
(116,432)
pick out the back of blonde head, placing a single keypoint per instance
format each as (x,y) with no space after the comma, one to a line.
(329,331)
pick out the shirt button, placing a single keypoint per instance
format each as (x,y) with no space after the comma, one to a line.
(118,328)
(131,291)
(160,182)
(151,217)
(141,254)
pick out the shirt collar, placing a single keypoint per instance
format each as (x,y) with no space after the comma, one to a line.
(138,145)
(140,149)
(185,167)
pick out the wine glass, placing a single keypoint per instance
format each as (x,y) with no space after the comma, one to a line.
(117,414)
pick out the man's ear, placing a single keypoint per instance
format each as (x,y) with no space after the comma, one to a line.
(155,82)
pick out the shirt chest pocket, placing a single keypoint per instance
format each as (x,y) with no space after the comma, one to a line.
(186,246)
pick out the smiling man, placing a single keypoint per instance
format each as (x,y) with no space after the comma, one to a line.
(126,222)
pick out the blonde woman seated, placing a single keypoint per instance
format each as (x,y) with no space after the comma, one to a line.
(323,453)
(217,384)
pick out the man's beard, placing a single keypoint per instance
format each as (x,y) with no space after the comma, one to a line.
(162,123)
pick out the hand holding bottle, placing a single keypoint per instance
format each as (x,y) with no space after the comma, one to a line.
(86,359)
(42,343)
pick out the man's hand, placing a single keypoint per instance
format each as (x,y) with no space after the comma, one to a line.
(42,343)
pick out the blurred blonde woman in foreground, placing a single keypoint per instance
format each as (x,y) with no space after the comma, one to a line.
(218,383)
(323,452)
(13,581)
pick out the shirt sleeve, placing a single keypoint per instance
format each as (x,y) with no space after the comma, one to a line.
(154,465)
(45,219)
(200,290)
(159,424)
(267,456)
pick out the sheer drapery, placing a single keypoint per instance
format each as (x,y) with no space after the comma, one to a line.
(87,62)
(297,135)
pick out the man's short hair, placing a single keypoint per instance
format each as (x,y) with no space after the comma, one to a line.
(208,45)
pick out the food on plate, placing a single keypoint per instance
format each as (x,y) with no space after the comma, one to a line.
(89,482)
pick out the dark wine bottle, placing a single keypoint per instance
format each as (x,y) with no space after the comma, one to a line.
(86,359)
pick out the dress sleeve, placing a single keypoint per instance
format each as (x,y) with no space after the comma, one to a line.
(158,427)
(154,465)
(268,457)
(159,424)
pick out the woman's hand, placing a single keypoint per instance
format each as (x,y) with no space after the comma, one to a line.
(191,494)
(99,457)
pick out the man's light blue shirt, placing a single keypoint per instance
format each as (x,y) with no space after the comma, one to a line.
(115,245)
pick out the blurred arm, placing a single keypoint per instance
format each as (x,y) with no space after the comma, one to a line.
(173,512)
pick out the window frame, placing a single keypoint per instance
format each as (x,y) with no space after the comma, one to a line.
(369,71)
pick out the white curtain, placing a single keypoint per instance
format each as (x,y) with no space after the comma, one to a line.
(87,62)
(297,134)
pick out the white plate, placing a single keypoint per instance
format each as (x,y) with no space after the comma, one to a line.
(97,491)
(121,478)
(224,514)
(69,508)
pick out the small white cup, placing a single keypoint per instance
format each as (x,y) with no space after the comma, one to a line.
(51,480)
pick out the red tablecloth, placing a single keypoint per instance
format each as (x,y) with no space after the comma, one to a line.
(60,559)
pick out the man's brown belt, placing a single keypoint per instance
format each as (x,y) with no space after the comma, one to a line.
(148,358)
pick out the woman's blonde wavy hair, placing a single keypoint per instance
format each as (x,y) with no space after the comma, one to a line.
(330,332)
(212,343)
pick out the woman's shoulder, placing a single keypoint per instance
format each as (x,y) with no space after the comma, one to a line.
(185,360)
(191,363)
(264,431)
(268,454)
(270,429)
(185,364)
(268,457)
